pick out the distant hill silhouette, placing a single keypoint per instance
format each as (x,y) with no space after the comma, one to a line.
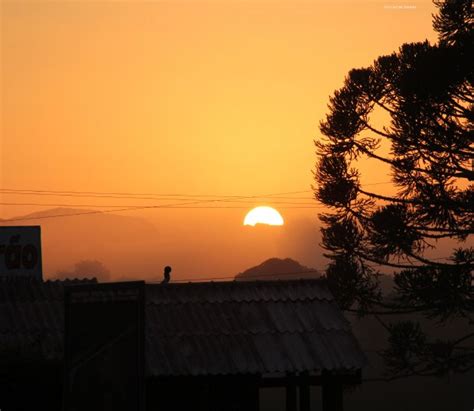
(277,269)
(22,219)
(85,269)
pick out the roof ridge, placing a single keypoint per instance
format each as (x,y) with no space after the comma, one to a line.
(242,300)
(254,333)
(275,281)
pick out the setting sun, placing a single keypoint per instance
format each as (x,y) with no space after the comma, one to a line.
(263,215)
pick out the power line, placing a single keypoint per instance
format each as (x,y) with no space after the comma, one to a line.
(263,275)
(292,205)
(311,203)
(163,196)
(135,196)
(151,196)
(132,208)
(250,276)
(187,198)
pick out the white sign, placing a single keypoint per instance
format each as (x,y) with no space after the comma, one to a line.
(20,252)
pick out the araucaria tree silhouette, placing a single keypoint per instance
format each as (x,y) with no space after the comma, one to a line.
(423,94)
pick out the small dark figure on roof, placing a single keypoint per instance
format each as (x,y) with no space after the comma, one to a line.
(166,275)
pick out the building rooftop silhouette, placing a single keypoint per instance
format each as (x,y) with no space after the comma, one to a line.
(32,316)
(196,329)
(255,327)
(210,345)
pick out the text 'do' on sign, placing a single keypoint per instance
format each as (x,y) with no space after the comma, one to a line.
(20,251)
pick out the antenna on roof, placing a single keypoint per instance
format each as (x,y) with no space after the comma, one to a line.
(166,275)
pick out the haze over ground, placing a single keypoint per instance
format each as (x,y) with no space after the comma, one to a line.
(132,247)
(137,247)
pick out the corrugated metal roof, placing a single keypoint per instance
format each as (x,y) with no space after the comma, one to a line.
(248,354)
(246,327)
(32,316)
(239,291)
(204,328)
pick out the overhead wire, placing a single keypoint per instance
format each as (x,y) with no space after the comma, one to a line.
(235,278)
(196,199)
(253,276)
(292,205)
(127,205)
(163,197)
(133,208)
(150,196)
(33,191)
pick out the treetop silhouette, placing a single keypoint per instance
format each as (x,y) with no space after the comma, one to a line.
(426,92)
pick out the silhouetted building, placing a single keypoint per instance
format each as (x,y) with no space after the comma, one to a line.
(224,340)
(31,342)
(211,346)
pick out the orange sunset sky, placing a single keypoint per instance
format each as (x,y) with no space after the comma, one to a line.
(183,97)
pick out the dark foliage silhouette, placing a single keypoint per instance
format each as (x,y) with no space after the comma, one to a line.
(86,269)
(426,91)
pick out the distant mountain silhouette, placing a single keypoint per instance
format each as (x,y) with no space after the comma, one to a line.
(45,214)
(277,269)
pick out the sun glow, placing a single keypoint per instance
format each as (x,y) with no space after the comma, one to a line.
(263,215)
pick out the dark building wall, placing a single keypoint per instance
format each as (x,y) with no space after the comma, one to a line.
(31,385)
(225,393)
